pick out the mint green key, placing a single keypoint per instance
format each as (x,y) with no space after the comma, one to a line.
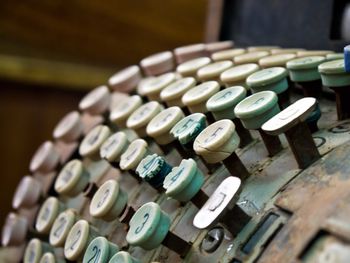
(100,250)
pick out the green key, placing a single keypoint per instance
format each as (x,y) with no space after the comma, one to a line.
(123,257)
(305,69)
(100,250)
(334,56)
(333,73)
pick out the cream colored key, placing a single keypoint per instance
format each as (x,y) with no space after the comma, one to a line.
(159,127)
(14,230)
(96,102)
(140,118)
(28,193)
(47,214)
(190,67)
(123,257)
(158,63)
(213,47)
(114,147)
(196,98)
(79,237)
(237,75)
(34,251)
(278,60)
(252,57)
(125,80)
(291,122)
(69,128)
(285,50)
(61,227)
(49,257)
(153,86)
(109,201)
(133,155)
(173,93)
(45,159)
(262,48)
(72,179)
(213,70)
(185,53)
(308,53)
(120,113)
(228,54)
(90,145)
(217,143)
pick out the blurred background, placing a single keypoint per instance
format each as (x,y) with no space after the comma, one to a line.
(52,52)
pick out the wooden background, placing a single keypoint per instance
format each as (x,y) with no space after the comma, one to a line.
(53,51)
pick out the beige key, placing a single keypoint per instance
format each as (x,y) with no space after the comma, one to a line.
(133,155)
(158,63)
(61,227)
(121,112)
(96,102)
(218,46)
(262,48)
(291,122)
(72,179)
(47,214)
(140,118)
(308,53)
(28,193)
(173,93)
(125,80)
(69,128)
(114,147)
(49,257)
(153,86)
(237,75)
(190,67)
(251,57)
(35,250)
(286,50)
(278,60)
(90,145)
(14,230)
(185,53)
(45,159)
(228,54)
(213,70)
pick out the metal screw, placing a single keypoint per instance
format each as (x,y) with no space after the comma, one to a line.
(213,239)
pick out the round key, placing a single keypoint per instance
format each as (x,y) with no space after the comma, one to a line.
(251,57)
(254,111)
(213,70)
(308,53)
(153,86)
(262,48)
(278,60)
(69,128)
(195,99)
(218,46)
(227,54)
(184,183)
(124,109)
(100,250)
(123,257)
(96,101)
(79,237)
(34,251)
(291,122)
(133,155)
(304,71)
(185,53)
(217,143)
(47,214)
(109,201)
(61,227)
(334,56)
(90,145)
(333,75)
(72,179)
(237,75)
(14,230)
(112,149)
(45,159)
(160,126)
(274,79)
(27,194)
(173,93)
(153,169)
(218,208)
(125,80)
(285,50)
(347,58)
(49,257)
(139,120)
(190,67)
(221,105)
(149,228)
(158,63)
